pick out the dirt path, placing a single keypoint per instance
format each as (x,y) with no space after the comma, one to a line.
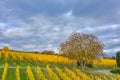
(100,72)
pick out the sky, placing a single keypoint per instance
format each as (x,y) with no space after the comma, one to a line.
(37,25)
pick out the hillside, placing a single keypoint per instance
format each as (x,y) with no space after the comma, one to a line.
(18,65)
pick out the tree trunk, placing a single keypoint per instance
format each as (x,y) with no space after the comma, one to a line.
(83,64)
(83,68)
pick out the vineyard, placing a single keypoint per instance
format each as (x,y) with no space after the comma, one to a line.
(32,57)
(105,62)
(47,73)
(31,66)
(21,57)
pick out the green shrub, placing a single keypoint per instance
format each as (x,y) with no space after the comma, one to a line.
(116,70)
(118,59)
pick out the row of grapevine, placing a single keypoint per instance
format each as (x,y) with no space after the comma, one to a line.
(17,73)
(56,74)
(51,74)
(29,73)
(0,54)
(82,75)
(40,74)
(62,75)
(105,62)
(5,72)
(71,74)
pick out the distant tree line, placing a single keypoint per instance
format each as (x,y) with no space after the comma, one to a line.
(48,52)
(118,59)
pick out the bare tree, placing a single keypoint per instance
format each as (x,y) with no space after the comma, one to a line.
(82,47)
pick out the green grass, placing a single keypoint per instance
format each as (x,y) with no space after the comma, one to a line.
(35,73)
(45,73)
(11,74)
(1,71)
(23,74)
(99,67)
(2,61)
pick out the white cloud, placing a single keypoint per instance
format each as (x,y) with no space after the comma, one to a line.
(112,52)
(68,13)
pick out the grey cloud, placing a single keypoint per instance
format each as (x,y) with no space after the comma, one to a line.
(40,25)
(112,52)
(105,12)
(41,32)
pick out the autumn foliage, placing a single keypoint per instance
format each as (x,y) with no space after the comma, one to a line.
(37,58)
(5,48)
(85,48)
